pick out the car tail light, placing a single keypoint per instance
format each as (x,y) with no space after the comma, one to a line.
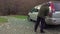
(52,9)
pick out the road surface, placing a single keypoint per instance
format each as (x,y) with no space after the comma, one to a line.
(23,26)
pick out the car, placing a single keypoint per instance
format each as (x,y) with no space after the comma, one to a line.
(53,18)
(32,15)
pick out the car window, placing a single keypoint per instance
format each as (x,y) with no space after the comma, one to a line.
(57,6)
(34,10)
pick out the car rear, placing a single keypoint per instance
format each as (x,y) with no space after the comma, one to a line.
(53,17)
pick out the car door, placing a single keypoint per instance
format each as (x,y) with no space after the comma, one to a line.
(33,14)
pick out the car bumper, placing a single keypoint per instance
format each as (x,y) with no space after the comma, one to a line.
(53,21)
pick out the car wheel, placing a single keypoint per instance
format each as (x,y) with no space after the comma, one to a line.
(29,19)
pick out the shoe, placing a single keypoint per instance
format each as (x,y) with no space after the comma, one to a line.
(42,32)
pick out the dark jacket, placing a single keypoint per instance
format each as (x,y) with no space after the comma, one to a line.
(43,11)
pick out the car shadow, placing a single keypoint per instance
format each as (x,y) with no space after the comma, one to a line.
(53,27)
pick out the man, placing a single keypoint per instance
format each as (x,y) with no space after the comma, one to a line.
(43,12)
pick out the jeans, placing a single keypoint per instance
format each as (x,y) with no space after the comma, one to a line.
(40,21)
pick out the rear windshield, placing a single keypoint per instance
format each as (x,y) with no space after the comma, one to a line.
(57,6)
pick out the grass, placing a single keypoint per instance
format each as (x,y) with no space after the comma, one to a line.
(2,20)
(21,16)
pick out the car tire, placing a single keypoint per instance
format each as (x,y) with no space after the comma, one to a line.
(29,19)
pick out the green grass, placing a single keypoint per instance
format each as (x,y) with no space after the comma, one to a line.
(21,16)
(2,20)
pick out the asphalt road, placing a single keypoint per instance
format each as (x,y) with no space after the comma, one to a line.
(23,26)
